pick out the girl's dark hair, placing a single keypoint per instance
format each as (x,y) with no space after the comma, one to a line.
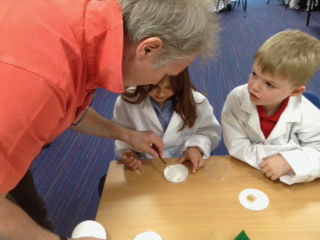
(183,101)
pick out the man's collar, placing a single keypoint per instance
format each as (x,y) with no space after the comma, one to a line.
(104,45)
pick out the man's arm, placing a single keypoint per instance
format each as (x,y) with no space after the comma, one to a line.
(95,124)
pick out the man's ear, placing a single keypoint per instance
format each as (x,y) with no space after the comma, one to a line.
(150,47)
(298,91)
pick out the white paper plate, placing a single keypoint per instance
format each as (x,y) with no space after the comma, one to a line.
(254,199)
(148,235)
(176,173)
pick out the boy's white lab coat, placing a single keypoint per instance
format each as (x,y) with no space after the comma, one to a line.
(205,133)
(296,136)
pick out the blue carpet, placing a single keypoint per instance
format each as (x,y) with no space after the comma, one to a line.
(67,174)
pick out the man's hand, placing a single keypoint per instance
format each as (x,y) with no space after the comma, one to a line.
(96,125)
(275,167)
(195,156)
(130,159)
(142,141)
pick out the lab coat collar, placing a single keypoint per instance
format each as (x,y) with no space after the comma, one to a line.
(251,109)
(292,113)
(175,122)
(150,113)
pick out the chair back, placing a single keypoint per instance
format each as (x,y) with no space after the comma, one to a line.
(312,97)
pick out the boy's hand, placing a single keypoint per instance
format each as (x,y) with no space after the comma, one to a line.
(130,159)
(275,167)
(195,156)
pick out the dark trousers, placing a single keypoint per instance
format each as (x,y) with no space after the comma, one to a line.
(25,195)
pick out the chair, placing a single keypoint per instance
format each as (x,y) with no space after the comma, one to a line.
(312,5)
(279,0)
(312,97)
(288,4)
(244,4)
(224,4)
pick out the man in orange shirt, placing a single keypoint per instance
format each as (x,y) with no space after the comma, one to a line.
(55,53)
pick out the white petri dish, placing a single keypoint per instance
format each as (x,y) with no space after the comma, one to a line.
(176,173)
(217,170)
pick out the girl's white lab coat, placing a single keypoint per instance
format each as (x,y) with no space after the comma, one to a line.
(205,133)
(296,136)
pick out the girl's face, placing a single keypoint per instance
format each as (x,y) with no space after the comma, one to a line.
(162,91)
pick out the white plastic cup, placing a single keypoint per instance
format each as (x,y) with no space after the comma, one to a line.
(148,235)
(89,228)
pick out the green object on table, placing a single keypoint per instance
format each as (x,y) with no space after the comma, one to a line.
(242,236)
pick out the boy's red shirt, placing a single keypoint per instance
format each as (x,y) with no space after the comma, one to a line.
(267,123)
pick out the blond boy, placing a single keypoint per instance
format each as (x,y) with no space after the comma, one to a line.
(268,123)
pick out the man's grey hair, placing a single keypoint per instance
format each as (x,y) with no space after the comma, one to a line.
(186,27)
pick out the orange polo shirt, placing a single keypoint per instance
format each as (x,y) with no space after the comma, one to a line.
(53,55)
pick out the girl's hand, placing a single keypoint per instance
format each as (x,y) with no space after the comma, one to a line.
(275,167)
(130,159)
(195,156)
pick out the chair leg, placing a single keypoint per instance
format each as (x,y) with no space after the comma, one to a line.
(288,4)
(244,4)
(303,3)
(225,6)
(218,5)
(235,2)
(234,5)
(309,11)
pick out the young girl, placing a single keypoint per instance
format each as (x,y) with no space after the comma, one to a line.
(175,111)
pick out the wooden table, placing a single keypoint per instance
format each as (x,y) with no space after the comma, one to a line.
(204,209)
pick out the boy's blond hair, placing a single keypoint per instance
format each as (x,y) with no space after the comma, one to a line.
(292,55)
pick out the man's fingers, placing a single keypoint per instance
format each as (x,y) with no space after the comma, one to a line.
(156,143)
(152,152)
(142,141)
(154,147)
(159,144)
